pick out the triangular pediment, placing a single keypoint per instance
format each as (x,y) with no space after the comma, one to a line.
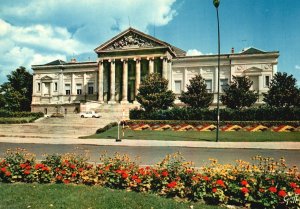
(252,50)
(46,78)
(131,39)
(253,70)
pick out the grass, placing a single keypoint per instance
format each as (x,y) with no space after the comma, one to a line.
(238,136)
(15,120)
(42,196)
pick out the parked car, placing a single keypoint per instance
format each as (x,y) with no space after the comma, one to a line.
(89,114)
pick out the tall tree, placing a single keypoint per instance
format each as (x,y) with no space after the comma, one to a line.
(238,94)
(154,94)
(196,95)
(283,91)
(17,92)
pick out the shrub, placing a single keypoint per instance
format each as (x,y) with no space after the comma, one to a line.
(107,127)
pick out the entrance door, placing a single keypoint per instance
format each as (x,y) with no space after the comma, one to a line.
(254,79)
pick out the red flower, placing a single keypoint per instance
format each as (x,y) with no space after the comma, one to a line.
(28,167)
(27,172)
(273,189)
(66,181)
(297,191)
(124,175)
(72,166)
(281,193)
(59,177)
(39,165)
(80,169)
(63,172)
(206,178)
(245,190)
(56,169)
(214,190)
(74,174)
(119,171)
(45,168)
(293,185)
(23,165)
(3,169)
(261,190)
(138,181)
(172,184)
(220,183)
(244,183)
(165,173)
(7,173)
(134,177)
(100,171)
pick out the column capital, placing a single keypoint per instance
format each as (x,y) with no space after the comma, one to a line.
(150,58)
(125,60)
(137,59)
(100,61)
(112,60)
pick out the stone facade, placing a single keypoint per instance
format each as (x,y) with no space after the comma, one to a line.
(125,60)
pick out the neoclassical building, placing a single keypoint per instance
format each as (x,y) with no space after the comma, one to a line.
(125,60)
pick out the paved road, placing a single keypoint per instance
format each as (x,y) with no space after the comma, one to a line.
(152,155)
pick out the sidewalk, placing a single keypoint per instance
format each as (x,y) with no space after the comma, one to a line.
(154,143)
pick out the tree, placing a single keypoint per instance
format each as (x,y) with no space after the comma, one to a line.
(196,94)
(283,91)
(16,94)
(238,94)
(154,94)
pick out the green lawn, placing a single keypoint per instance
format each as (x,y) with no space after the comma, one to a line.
(39,196)
(239,136)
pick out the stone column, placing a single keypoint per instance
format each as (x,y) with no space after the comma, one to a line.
(170,76)
(125,82)
(165,68)
(151,65)
(185,79)
(73,85)
(42,88)
(100,81)
(84,88)
(260,87)
(112,82)
(51,89)
(137,75)
(216,80)
(61,86)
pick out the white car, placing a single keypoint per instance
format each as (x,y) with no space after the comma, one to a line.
(89,114)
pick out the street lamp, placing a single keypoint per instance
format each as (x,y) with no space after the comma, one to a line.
(216,4)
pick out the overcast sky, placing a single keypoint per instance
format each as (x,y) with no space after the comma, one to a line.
(38,31)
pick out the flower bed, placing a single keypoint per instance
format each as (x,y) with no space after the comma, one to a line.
(266,184)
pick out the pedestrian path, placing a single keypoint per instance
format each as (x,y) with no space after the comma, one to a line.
(156,143)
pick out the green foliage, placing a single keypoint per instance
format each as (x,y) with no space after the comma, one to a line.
(196,95)
(105,128)
(154,94)
(283,91)
(17,92)
(263,113)
(9,114)
(238,95)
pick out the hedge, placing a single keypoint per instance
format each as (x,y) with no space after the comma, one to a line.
(9,114)
(107,127)
(250,114)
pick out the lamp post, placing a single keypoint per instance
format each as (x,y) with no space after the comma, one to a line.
(216,4)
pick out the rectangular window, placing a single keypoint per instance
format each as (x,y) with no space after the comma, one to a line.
(90,88)
(208,85)
(39,87)
(267,81)
(55,86)
(68,89)
(223,84)
(79,89)
(177,87)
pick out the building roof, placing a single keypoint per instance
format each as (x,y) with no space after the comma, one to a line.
(56,62)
